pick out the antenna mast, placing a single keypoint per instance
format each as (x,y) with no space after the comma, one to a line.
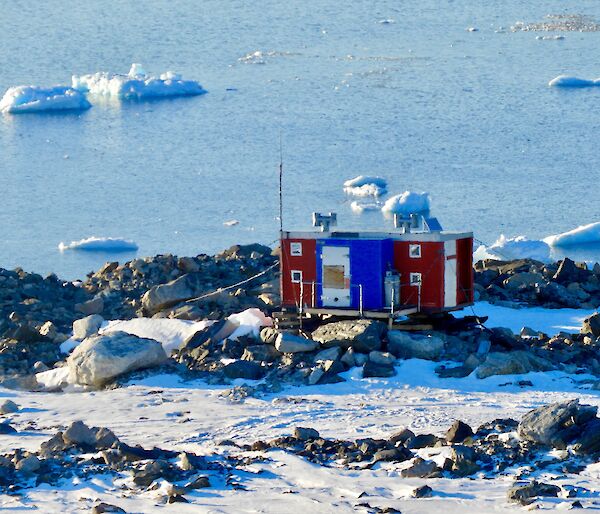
(280,184)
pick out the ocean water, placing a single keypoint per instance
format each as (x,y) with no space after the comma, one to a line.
(465,116)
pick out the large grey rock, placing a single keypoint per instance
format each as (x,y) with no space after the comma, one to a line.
(528,492)
(591,325)
(98,359)
(86,327)
(362,334)
(261,352)
(248,370)
(512,363)
(458,432)
(8,407)
(385,358)
(78,433)
(29,464)
(305,434)
(405,345)
(556,424)
(464,460)
(420,468)
(589,440)
(289,343)
(183,288)
(371,369)
(520,280)
(93,306)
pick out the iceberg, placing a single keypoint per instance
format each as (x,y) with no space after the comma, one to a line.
(100,244)
(573,82)
(514,248)
(136,85)
(583,235)
(25,99)
(360,207)
(407,203)
(365,186)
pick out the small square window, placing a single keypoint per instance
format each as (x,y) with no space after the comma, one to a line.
(415,279)
(296,249)
(414,251)
(296,276)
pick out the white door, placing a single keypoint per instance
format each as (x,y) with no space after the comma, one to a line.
(450,280)
(335,276)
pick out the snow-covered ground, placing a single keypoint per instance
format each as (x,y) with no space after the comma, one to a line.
(164,411)
(549,321)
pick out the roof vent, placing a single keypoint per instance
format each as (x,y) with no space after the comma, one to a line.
(325,221)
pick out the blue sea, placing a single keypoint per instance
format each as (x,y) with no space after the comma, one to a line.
(397,89)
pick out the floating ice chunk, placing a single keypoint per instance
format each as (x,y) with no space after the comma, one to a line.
(360,207)
(472,29)
(100,244)
(407,203)
(366,186)
(24,99)
(585,234)
(515,248)
(231,223)
(568,81)
(556,37)
(137,70)
(387,21)
(136,84)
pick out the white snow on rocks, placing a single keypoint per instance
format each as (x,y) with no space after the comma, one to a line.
(568,81)
(34,99)
(514,248)
(407,203)
(137,84)
(365,186)
(585,234)
(100,244)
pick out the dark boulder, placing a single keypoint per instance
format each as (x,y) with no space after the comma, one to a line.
(248,370)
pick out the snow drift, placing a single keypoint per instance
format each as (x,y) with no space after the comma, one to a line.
(100,244)
(514,248)
(585,234)
(365,186)
(568,81)
(407,203)
(136,85)
(24,99)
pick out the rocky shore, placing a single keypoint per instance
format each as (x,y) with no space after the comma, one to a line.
(38,314)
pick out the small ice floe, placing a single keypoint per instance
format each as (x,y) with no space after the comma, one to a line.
(387,21)
(25,99)
(231,223)
(253,58)
(100,244)
(407,203)
(360,207)
(472,29)
(568,81)
(514,248)
(365,186)
(550,38)
(137,84)
(583,235)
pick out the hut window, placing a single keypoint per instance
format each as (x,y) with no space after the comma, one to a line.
(333,277)
(296,276)
(414,251)
(296,249)
(415,279)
